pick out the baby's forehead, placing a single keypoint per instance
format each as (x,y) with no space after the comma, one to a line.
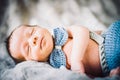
(15,41)
(19,31)
(16,36)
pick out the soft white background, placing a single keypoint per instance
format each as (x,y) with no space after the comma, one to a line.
(52,13)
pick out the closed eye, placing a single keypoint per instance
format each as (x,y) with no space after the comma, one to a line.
(28,50)
(32,31)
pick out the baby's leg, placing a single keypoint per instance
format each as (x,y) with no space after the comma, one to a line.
(112,45)
(115,71)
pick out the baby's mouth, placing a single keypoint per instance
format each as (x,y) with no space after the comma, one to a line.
(41,43)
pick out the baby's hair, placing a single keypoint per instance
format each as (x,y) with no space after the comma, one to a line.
(7,41)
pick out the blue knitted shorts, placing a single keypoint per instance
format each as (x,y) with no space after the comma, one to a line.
(112,45)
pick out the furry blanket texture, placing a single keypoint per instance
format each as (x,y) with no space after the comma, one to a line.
(94,14)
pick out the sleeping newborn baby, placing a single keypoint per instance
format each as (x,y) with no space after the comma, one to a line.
(75,47)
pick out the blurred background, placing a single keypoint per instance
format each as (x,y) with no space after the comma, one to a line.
(94,14)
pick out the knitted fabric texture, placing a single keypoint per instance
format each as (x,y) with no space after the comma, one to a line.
(112,45)
(57,57)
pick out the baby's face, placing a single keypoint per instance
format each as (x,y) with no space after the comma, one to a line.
(31,43)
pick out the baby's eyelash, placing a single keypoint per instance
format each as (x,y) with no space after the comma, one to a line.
(32,31)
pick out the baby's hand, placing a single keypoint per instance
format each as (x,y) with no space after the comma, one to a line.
(115,71)
(78,67)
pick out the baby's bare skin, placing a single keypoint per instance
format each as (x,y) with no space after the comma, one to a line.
(115,71)
(82,54)
(91,58)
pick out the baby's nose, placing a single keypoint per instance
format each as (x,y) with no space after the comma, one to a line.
(33,40)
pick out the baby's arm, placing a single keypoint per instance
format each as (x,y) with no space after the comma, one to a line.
(80,37)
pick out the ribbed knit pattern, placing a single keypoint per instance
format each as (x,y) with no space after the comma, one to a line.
(112,45)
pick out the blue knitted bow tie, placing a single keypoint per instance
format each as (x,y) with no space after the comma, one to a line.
(57,56)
